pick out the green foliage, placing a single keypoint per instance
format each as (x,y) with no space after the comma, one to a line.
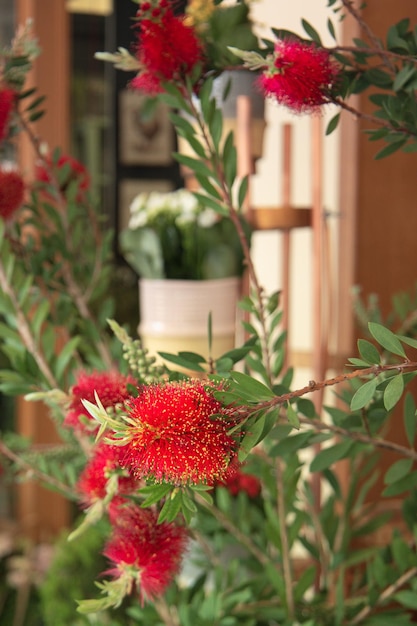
(71,575)
(228,26)
(301,546)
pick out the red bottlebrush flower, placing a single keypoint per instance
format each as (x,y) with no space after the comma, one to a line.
(77,172)
(239,481)
(12,189)
(168,49)
(103,465)
(7,97)
(111,388)
(148,551)
(300,75)
(181,435)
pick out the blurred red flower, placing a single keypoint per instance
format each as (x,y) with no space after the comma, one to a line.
(111,388)
(144,549)
(77,172)
(167,48)
(104,464)
(300,75)
(12,189)
(7,97)
(181,434)
(239,481)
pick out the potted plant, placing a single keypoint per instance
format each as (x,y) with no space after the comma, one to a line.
(190,262)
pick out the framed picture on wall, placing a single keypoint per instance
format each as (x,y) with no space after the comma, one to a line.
(145,138)
(129,188)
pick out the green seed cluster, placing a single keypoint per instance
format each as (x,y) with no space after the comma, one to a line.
(141,364)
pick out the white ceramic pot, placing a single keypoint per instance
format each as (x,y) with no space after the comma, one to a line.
(174,315)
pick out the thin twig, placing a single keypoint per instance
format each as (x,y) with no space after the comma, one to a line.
(234,216)
(385,595)
(34,472)
(374,370)
(348,4)
(234,531)
(371,118)
(321,542)
(80,299)
(164,612)
(25,332)
(381,52)
(285,549)
(376,443)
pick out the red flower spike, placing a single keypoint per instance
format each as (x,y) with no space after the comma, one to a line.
(167,49)
(300,76)
(7,97)
(12,189)
(181,434)
(239,481)
(111,388)
(77,172)
(104,463)
(139,543)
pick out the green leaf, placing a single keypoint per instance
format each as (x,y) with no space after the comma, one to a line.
(216,128)
(409,341)
(35,103)
(210,202)
(230,163)
(305,582)
(65,355)
(406,483)
(393,391)
(252,437)
(196,145)
(181,361)
(403,76)
(386,338)
(331,29)
(154,493)
(364,395)
(390,149)
(171,507)
(289,445)
(358,362)
(333,123)
(255,389)
(243,190)
(368,352)
(328,456)
(407,598)
(182,124)
(196,165)
(41,313)
(208,187)
(398,470)
(311,32)
(293,417)
(34,117)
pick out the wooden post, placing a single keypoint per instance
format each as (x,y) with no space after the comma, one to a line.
(40,512)
(286,239)
(244,167)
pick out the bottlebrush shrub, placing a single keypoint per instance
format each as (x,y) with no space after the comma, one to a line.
(220,492)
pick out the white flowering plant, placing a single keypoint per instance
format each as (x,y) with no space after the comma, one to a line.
(174,235)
